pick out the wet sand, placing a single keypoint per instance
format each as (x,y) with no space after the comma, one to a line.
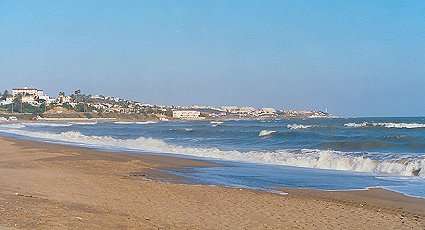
(48,186)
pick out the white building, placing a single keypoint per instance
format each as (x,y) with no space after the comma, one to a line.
(27,91)
(31,95)
(47,99)
(62,99)
(7,101)
(187,115)
(247,110)
(98,97)
(268,110)
(230,109)
(27,98)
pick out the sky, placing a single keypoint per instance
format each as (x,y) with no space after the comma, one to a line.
(353,57)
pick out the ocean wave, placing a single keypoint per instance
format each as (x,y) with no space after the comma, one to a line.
(38,124)
(11,126)
(135,122)
(400,165)
(181,130)
(216,123)
(41,124)
(297,126)
(264,133)
(146,122)
(385,125)
(84,123)
(356,125)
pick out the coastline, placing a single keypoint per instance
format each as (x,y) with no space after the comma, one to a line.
(55,186)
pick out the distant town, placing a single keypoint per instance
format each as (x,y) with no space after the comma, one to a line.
(34,104)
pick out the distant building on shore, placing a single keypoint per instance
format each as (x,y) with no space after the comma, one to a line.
(187,115)
(27,91)
(62,99)
(31,95)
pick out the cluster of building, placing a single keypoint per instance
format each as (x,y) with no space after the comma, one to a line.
(251,111)
(187,115)
(308,114)
(27,95)
(99,104)
(244,112)
(234,111)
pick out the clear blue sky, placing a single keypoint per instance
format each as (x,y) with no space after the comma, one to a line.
(353,57)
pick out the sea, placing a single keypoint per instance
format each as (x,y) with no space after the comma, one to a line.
(325,154)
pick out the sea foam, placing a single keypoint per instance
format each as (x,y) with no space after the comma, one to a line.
(216,123)
(38,124)
(320,159)
(297,126)
(264,133)
(385,125)
(84,123)
(135,122)
(11,126)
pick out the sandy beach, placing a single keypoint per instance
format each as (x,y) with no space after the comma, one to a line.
(48,186)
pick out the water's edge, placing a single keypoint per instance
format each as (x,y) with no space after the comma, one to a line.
(194,174)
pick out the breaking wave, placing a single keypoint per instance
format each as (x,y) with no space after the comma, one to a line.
(84,123)
(296,126)
(12,126)
(181,130)
(42,124)
(265,133)
(135,122)
(321,159)
(216,123)
(386,125)
(39,124)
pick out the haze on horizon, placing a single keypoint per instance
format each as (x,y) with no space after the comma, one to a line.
(356,58)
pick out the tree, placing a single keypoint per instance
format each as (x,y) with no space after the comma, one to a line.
(4,95)
(80,108)
(17,101)
(43,106)
(77,96)
(28,108)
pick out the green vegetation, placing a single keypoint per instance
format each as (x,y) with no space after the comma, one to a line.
(4,95)
(22,108)
(80,105)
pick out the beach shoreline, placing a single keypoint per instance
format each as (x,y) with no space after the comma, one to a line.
(52,186)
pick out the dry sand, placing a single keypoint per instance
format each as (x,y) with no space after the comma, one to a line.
(46,186)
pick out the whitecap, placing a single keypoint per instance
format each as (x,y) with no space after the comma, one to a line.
(296,126)
(321,159)
(264,133)
(135,122)
(41,124)
(386,125)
